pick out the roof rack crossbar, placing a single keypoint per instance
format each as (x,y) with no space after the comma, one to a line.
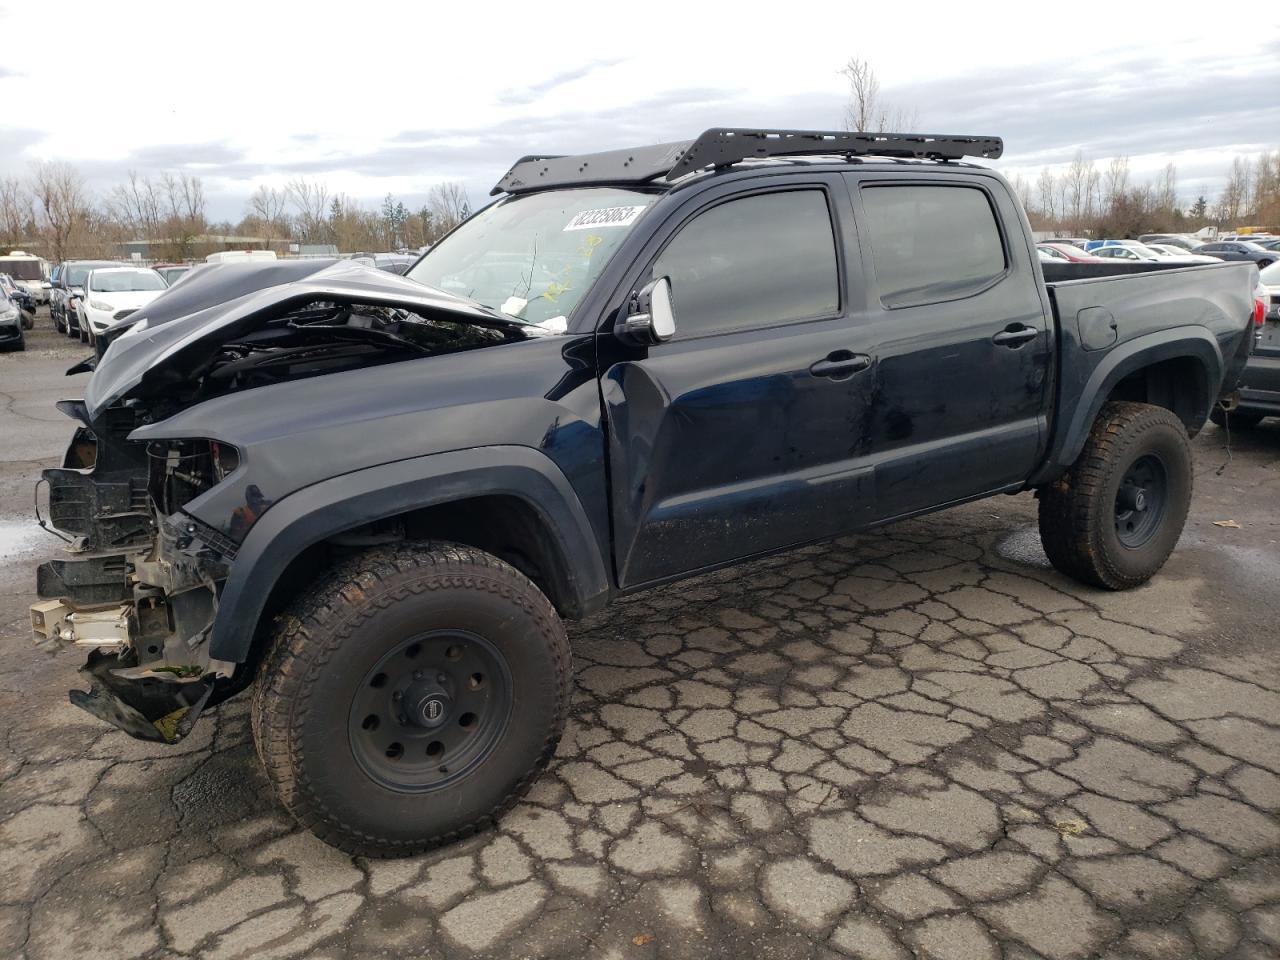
(725,146)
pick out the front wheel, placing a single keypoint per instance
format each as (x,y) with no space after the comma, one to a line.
(1113,519)
(411,698)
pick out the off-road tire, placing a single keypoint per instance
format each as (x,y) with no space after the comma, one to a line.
(346,621)
(1239,421)
(1078,511)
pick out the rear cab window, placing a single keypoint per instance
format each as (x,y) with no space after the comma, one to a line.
(932,243)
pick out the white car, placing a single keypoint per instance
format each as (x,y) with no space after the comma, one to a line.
(1172,252)
(1131,251)
(112,293)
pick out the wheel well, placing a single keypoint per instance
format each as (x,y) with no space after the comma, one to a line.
(1179,384)
(505,526)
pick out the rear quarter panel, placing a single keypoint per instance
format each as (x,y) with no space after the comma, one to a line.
(1204,312)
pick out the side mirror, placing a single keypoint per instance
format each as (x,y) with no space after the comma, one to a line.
(650,315)
(77,291)
(46,285)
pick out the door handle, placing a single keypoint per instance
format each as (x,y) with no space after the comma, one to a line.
(840,365)
(1014,337)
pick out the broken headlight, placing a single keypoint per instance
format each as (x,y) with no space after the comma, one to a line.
(181,470)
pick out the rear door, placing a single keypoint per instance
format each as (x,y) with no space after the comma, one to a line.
(957,311)
(741,434)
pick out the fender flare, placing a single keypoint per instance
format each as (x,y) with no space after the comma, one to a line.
(342,503)
(1194,342)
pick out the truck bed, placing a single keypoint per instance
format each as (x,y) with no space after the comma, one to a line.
(1107,312)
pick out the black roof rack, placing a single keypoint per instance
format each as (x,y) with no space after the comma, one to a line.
(724,146)
(637,165)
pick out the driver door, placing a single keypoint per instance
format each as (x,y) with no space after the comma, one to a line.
(741,434)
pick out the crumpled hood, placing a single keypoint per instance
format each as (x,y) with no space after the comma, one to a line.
(219,302)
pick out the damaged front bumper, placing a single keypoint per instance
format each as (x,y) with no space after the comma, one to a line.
(138,591)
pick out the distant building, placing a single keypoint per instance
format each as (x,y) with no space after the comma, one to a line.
(313,249)
(199,246)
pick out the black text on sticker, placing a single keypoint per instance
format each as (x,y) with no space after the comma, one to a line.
(604,217)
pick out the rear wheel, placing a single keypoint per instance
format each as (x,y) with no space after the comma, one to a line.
(411,697)
(1113,519)
(1237,419)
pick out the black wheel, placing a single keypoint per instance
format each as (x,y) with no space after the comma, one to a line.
(1238,419)
(1113,519)
(411,697)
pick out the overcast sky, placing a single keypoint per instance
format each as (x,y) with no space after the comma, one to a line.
(382,97)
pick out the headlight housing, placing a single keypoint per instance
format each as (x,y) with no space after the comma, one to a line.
(99,305)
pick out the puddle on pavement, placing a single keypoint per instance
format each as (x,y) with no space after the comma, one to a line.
(20,538)
(1023,546)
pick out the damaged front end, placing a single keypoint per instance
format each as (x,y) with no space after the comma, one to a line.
(139,587)
(138,590)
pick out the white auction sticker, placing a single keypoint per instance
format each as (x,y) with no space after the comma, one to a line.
(605,217)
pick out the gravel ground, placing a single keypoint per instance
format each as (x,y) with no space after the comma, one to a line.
(920,742)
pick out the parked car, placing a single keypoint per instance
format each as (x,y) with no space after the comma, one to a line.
(66,288)
(1170,239)
(1259,394)
(21,298)
(29,271)
(11,335)
(1240,250)
(1092,245)
(1131,250)
(377,496)
(1179,254)
(1057,250)
(1069,241)
(1273,245)
(171,271)
(113,293)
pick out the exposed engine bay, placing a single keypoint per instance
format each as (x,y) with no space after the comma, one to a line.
(139,588)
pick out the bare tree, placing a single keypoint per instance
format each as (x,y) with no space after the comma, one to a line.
(1046,187)
(185,219)
(15,211)
(1079,179)
(866,111)
(136,205)
(59,191)
(1166,190)
(267,205)
(311,200)
(449,205)
(1117,180)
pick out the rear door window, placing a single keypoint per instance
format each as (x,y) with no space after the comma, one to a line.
(932,242)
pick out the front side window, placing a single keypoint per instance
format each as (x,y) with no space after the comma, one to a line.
(932,243)
(753,262)
(534,256)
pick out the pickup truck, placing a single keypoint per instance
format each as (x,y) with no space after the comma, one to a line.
(374,499)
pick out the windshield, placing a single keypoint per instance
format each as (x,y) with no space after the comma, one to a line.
(125,281)
(22,269)
(76,272)
(171,274)
(533,257)
(1271,275)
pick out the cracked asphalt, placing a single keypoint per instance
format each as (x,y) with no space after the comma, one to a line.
(920,742)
